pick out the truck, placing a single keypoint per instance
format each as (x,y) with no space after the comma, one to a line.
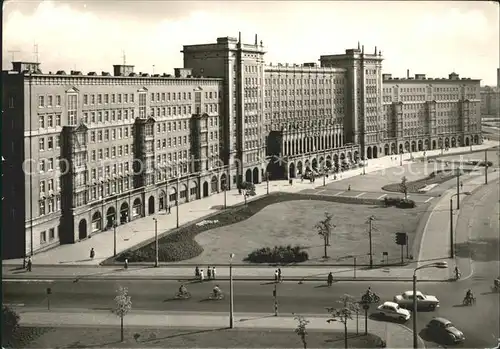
(405,300)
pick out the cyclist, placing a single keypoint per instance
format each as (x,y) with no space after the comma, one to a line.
(469,296)
(457,273)
(183,290)
(217,291)
(330,279)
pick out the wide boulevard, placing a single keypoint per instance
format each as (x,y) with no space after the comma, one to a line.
(480,322)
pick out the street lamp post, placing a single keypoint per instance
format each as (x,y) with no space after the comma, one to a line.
(439,265)
(114,237)
(231,300)
(177,201)
(156,242)
(458,187)
(267,180)
(400,159)
(452,244)
(486,166)
(364,165)
(225,194)
(370,239)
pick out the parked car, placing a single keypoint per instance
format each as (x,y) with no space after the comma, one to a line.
(394,311)
(405,300)
(443,331)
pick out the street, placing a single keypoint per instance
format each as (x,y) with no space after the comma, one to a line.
(480,322)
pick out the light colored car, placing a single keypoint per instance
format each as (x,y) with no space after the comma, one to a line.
(394,311)
(405,300)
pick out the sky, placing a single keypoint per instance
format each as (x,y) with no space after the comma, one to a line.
(433,38)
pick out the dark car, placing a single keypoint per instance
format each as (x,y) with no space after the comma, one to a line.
(443,330)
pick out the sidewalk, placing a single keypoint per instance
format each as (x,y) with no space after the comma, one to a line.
(435,243)
(140,230)
(395,335)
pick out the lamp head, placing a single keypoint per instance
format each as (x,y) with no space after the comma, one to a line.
(231,255)
(467,193)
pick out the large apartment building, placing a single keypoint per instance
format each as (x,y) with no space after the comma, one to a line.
(421,113)
(86,152)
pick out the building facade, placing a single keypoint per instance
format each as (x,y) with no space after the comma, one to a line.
(422,113)
(84,153)
(490,101)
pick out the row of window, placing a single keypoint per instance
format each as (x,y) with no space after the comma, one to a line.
(252,144)
(49,120)
(304,92)
(49,205)
(43,236)
(168,96)
(301,81)
(49,185)
(48,101)
(49,143)
(306,103)
(304,113)
(110,134)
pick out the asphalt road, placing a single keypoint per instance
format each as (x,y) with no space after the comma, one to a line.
(256,297)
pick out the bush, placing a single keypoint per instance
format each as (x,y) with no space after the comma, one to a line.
(278,254)
(10,321)
(399,202)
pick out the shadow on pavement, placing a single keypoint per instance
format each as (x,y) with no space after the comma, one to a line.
(380,318)
(77,344)
(257,318)
(185,334)
(424,334)
(484,250)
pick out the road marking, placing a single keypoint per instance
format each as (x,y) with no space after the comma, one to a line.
(27,280)
(357,196)
(381,196)
(14,305)
(429,199)
(321,191)
(340,192)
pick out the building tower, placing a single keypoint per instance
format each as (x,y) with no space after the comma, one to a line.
(242,130)
(363,97)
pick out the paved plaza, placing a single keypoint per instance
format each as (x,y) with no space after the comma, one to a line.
(141,230)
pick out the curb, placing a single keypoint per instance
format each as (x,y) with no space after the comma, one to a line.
(76,278)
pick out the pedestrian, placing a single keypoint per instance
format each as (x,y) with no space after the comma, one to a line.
(330,279)
(209,273)
(169,209)
(276,276)
(92,253)
(213,273)
(279,274)
(461,185)
(197,272)
(126,263)
(201,274)
(349,188)
(29,265)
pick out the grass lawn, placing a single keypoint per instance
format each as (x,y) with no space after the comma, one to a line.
(188,338)
(292,222)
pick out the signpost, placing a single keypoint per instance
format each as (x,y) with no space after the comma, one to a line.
(402,240)
(49,292)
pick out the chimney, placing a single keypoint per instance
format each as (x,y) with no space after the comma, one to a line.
(256,41)
(363,49)
(239,37)
(407,73)
(358,46)
(375,50)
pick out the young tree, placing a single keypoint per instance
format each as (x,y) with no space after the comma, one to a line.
(10,321)
(324,228)
(348,308)
(404,186)
(301,329)
(123,304)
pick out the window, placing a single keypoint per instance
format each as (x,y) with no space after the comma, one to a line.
(50,143)
(41,144)
(50,120)
(58,101)
(142,105)
(72,106)
(43,237)
(41,207)
(42,187)
(41,120)
(41,101)
(51,234)
(49,101)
